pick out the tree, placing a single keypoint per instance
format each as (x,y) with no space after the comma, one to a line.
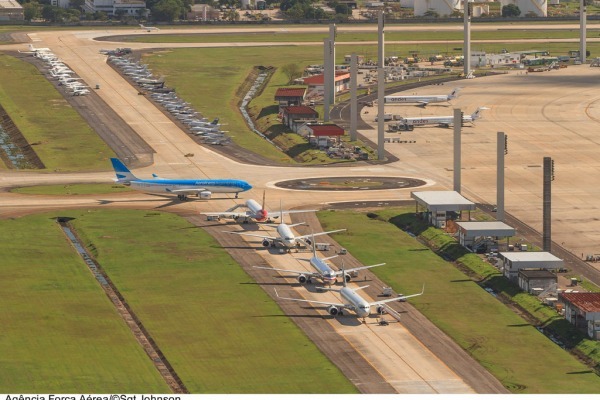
(167,10)
(292,71)
(31,11)
(511,10)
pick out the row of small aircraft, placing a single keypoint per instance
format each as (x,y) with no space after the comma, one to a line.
(203,188)
(59,70)
(408,123)
(209,131)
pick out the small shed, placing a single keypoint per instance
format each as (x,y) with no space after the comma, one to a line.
(513,261)
(289,97)
(476,235)
(441,206)
(295,116)
(583,311)
(537,281)
(323,134)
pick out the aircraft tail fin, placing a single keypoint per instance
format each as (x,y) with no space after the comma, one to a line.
(454,94)
(124,175)
(477,113)
(215,121)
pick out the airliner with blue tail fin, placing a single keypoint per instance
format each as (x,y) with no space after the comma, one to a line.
(202,188)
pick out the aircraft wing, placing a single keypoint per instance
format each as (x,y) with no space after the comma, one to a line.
(318,234)
(278,214)
(325,303)
(225,214)
(339,273)
(253,235)
(377,303)
(423,103)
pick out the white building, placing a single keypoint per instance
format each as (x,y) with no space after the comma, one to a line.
(11,10)
(537,7)
(441,7)
(133,8)
(513,261)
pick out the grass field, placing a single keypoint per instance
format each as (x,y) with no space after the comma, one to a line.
(219,330)
(523,359)
(62,190)
(57,133)
(60,333)
(348,36)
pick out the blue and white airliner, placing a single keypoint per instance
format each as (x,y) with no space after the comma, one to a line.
(202,188)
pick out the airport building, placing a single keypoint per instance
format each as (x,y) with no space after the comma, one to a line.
(286,97)
(583,311)
(482,235)
(296,116)
(537,281)
(513,261)
(11,10)
(441,206)
(315,83)
(134,8)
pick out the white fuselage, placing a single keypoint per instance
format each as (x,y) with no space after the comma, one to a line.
(360,306)
(287,238)
(414,99)
(256,211)
(168,186)
(325,272)
(418,121)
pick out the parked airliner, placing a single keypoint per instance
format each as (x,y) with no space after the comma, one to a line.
(202,188)
(353,301)
(285,236)
(409,123)
(322,270)
(421,100)
(255,212)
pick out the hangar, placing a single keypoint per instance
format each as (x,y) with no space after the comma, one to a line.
(583,311)
(442,205)
(481,235)
(513,261)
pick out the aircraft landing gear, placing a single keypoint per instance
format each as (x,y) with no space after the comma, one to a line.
(236,195)
(182,197)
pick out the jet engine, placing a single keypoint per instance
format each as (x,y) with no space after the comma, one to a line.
(308,241)
(302,279)
(266,243)
(333,310)
(347,277)
(380,310)
(205,195)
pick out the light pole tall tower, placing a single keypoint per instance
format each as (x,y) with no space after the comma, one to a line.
(326,68)
(458,116)
(331,78)
(380,90)
(467,35)
(582,30)
(353,97)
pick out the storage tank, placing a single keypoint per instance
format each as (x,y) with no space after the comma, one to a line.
(442,7)
(538,7)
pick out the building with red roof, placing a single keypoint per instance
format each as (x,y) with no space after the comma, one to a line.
(583,311)
(296,116)
(290,97)
(315,83)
